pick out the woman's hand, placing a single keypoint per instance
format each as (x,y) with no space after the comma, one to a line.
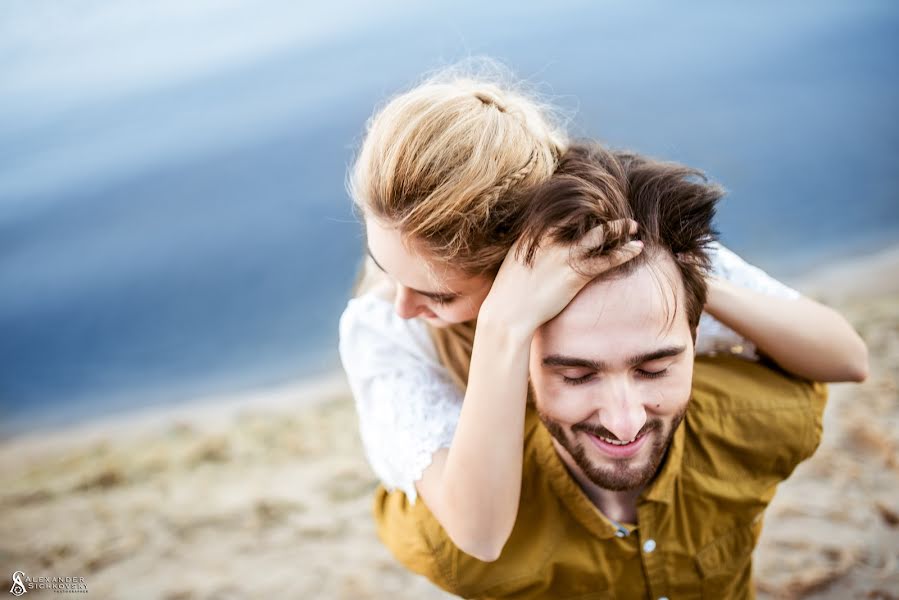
(525,297)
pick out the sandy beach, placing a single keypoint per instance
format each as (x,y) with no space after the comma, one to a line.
(268,495)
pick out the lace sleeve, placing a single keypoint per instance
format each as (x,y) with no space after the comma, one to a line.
(712,336)
(406,402)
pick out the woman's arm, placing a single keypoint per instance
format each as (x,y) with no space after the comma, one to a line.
(799,334)
(473,487)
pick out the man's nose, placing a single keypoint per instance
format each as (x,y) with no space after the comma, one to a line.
(621,410)
(406,303)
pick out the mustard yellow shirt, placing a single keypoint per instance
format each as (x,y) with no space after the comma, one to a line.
(746,429)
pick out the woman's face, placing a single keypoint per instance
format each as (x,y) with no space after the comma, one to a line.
(424,288)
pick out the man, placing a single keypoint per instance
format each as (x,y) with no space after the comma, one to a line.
(646,472)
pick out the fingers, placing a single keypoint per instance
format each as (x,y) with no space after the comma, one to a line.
(590,267)
(621,255)
(611,230)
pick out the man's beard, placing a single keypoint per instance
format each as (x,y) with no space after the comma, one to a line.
(619,476)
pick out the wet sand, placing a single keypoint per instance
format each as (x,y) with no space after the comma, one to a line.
(269,495)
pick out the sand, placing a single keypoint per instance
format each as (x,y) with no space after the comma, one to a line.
(269,495)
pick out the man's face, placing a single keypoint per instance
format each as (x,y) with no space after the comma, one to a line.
(612,374)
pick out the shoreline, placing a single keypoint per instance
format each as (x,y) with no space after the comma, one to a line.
(855,277)
(873,273)
(203,413)
(802,261)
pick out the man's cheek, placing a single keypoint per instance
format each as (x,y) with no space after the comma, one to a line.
(565,404)
(550,388)
(668,395)
(678,393)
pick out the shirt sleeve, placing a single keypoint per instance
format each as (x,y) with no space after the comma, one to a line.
(406,401)
(712,336)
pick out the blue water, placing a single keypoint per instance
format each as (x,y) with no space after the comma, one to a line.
(173,220)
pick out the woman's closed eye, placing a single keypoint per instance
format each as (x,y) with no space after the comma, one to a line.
(443,300)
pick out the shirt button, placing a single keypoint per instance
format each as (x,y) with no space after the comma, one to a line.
(649,546)
(620,533)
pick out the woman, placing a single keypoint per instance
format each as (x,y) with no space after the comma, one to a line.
(436,342)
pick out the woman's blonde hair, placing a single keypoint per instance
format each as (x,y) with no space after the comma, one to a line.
(449,164)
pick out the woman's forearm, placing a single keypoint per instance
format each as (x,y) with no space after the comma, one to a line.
(802,336)
(475,498)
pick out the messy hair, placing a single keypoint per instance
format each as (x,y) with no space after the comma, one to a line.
(672,204)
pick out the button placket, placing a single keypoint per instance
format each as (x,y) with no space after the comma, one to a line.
(652,561)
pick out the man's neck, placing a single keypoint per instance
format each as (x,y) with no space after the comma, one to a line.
(620,507)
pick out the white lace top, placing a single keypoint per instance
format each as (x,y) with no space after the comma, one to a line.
(408,405)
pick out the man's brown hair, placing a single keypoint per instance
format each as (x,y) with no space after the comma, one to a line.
(673,206)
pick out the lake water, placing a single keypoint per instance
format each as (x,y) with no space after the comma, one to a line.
(173,219)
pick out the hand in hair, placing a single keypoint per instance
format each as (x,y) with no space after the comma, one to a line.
(535,283)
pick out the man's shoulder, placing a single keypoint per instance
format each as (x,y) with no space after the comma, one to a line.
(747,421)
(731,383)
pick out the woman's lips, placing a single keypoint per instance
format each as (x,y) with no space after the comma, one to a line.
(619,451)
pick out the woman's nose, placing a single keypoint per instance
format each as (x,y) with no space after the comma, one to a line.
(621,410)
(406,303)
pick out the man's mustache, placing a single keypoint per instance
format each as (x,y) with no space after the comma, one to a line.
(600,431)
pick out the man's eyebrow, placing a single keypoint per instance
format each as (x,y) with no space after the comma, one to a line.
(432,295)
(558,360)
(665,352)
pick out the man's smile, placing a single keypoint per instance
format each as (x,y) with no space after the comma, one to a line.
(617,448)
